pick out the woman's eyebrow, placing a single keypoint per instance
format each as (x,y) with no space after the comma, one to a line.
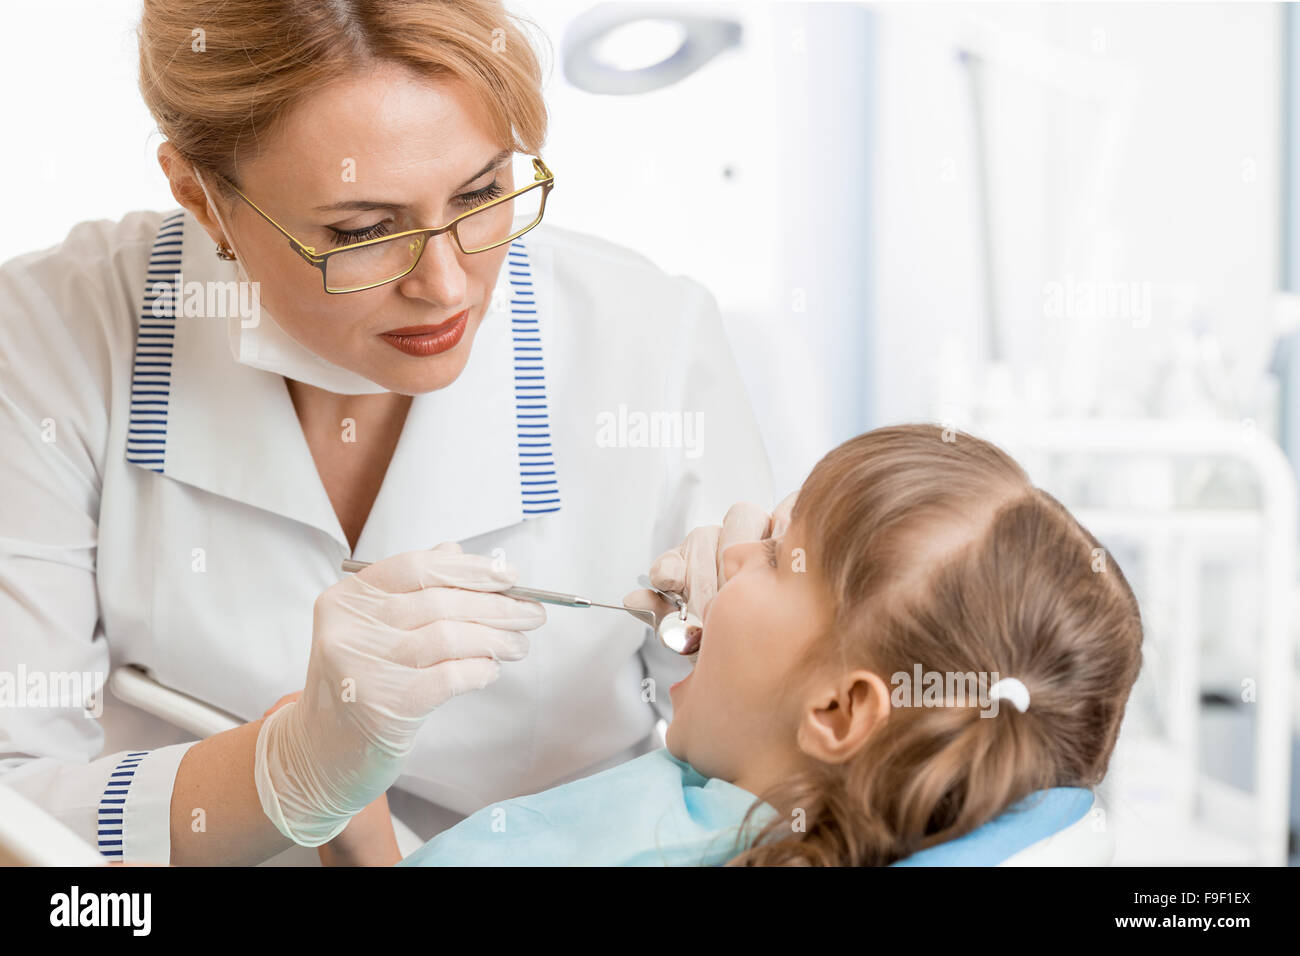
(366,205)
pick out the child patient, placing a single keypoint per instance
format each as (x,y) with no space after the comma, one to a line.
(798,739)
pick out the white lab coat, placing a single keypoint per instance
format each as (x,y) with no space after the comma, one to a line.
(159,507)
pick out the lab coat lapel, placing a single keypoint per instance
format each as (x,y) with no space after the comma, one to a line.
(214,423)
(472,458)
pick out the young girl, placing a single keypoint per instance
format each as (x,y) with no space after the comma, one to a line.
(798,739)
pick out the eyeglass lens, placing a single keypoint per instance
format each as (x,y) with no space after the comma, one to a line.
(482,229)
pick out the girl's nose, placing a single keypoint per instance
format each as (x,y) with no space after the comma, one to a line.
(735,555)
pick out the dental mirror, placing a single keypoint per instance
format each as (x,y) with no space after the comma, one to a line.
(681,634)
(680,631)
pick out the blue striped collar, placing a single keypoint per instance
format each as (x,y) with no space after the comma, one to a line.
(473,457)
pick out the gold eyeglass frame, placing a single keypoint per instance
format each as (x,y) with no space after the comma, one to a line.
(543,178)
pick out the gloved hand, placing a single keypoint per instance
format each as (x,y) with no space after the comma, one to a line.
(389,644)
(694,568)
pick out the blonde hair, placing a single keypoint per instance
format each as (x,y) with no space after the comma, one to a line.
(1015,585)
(260,58)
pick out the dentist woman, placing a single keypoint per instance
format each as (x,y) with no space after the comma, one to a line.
(185,469)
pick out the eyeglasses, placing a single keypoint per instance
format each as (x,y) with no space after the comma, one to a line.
(374,262)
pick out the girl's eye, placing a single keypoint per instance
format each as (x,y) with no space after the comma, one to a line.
(769,545)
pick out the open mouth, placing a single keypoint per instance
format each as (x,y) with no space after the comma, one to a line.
(695,633)
(694,637)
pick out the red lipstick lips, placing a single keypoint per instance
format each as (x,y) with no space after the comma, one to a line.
(422,340)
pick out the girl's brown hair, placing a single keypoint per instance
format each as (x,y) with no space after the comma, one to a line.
(218,94)
(942,553)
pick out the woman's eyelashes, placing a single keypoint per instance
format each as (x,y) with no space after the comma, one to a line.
(769,547)
(344,237)
(478,197)
(463,203)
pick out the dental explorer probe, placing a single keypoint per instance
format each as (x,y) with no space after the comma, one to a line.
(673,633)
(543,597)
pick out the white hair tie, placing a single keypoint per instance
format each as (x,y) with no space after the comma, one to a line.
(1009,688)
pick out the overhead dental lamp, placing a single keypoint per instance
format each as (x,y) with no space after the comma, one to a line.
(629,28)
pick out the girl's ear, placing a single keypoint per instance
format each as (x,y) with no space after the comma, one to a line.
(838,716)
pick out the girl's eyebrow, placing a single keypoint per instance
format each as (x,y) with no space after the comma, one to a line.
(366,205)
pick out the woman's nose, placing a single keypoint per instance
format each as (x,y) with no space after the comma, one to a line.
(439,276)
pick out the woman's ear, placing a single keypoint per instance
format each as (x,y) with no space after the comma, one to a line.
(187,190)
(839,715)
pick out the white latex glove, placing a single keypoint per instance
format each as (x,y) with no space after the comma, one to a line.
(389,644)
(694,568)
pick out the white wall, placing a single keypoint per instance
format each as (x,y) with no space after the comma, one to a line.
(78,141)
(1187,198)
